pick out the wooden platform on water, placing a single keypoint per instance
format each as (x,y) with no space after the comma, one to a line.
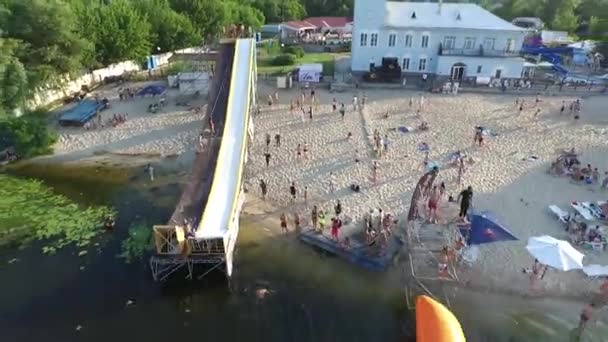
(369,257)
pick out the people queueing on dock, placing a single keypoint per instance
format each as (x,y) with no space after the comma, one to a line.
(314,217)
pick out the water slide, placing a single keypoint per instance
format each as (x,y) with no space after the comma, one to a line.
(551,55)
(435,323)
(194,196)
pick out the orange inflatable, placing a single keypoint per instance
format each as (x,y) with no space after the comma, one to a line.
(435,323)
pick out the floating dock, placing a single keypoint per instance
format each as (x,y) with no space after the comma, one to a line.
(370,257)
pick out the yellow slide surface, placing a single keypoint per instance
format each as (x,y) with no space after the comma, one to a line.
(435,323)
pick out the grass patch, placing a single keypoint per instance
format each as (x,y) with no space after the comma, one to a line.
(30,210)
(327,59)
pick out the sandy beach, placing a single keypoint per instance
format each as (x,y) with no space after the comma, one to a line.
(508,176)
(172,131)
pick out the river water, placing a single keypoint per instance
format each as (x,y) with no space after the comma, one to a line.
(313,297)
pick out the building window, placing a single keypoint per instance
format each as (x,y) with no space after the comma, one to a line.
(363,40)
(469,43)
(408,40)
(422,64)
(425,41)
(488,43)
(406,63)
(449,42)
(373,40)
(479,69)
(510,45)
(392,38)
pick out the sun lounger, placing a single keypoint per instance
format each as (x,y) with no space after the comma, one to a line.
(595,210)
(562,215)
(595,270)
(583,211)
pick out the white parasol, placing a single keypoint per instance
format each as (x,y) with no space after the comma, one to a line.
(556,253)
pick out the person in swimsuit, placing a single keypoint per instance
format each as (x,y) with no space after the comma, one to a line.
(432,204)
(283,219)
(299,151)
(586,315)
(263,188)
(293,191)
(314,217)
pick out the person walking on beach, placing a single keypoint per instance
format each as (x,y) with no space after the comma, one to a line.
(421,101)
(314,217)
(305,150)
(336,224)
(374,172)
(299,152)
(277,140)
(342,110)
(385,143)
(355,103)
(586,315)
(334,105)
(263,189)
(332,187)
(267,158)
(562,108)
(461,170)
(310,113)
(521,107)
(267,140)
(293,191)
(466,198)
(411,101)
(478,137)
(283,219)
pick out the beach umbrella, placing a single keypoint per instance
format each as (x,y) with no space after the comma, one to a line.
(486,228)
(555,253)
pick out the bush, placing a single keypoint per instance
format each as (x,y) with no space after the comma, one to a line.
(283,60)
(29,133)
(296,50)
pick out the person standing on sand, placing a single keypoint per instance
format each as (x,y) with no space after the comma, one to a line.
(385,143)
(267,140)
(411,104)
(466,199)
(314,217)
(293,191)
(562,108)
(277,140)
(521,107)
(332,187)
(321,220)
(310,113)
(267,158)
(355,103)
(263,189)
(421,101)
(374,172)
(334,105)
(342,110)
(338,208)
(305,194)
(299,152)
(283,219)
(305,150)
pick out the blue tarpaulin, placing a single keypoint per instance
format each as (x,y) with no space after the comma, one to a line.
(154,90)
(486,228)
(80,113)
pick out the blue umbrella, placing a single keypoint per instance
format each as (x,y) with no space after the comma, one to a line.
(486,228)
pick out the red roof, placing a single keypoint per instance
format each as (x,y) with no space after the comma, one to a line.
(319,22)
(335,22)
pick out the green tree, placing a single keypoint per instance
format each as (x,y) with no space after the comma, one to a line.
(48,32)
(564,18)
(170,30)
(123,33)
(207,16)
(276,11)
(317,8)
(243,14)
(13,78)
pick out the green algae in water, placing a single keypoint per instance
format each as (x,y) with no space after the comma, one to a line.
(138,244)
(29,210)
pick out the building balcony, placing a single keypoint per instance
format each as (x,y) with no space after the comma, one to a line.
(478,52)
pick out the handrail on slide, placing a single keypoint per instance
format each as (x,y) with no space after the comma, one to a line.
(223,198)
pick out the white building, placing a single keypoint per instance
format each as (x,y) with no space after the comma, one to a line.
(454,39)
